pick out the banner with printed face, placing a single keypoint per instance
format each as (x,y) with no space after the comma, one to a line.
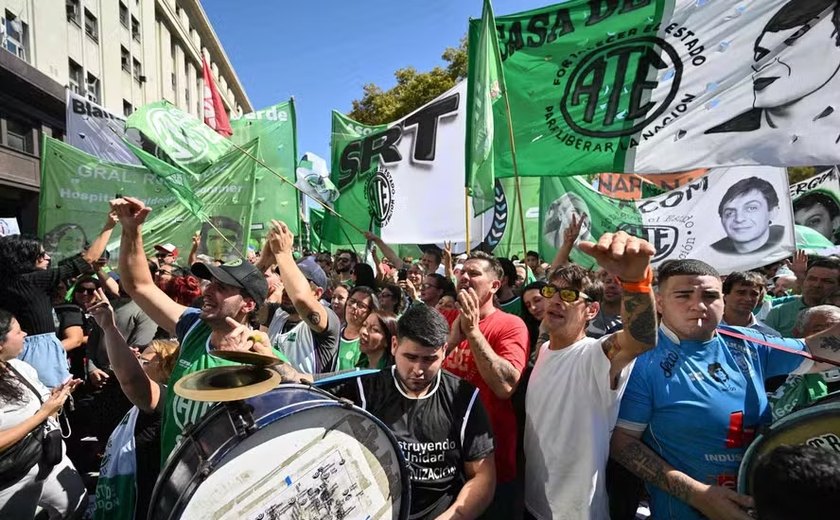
(816,203)
(96,131)
(76,188)
(405,180)
(670,85)
(733,218)
(276,130)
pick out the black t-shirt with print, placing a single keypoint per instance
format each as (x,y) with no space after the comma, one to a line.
(430,432)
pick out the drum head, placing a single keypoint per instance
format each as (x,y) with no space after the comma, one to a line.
(310,459)
(818,425)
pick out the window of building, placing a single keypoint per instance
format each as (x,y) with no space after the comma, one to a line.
(125,58)
(135,29)
(138,69)
(124,15)
(76,77)
(127,108)
(91,26)
(74,12)
(92,88)
(19,136)
(174,82)
(16,35)
(187,97)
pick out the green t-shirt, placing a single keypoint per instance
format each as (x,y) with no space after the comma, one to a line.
(194,355)
(348,353)
(512,306)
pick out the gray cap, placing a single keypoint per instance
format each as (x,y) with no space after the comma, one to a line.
(313,272)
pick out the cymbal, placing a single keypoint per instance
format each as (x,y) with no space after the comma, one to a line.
(228,383)
(247,357)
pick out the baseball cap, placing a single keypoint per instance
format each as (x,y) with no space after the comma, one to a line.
(783,271)
(237,273)
(313,272)
(167,248)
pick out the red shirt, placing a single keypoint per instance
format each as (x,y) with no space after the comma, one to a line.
(508,337)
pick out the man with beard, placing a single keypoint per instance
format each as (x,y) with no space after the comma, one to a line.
(310,336)
(441,426)
(236,288)
(608,319)
(821,279)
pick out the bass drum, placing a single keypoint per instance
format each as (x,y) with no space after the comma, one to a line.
(294,453)
(817,425)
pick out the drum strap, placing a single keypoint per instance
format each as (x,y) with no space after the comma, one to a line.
(801,353)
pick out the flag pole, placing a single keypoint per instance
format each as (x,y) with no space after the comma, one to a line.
(515,169)
(269,168)
(468,219)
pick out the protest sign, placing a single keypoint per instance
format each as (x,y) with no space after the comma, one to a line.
(94,130)
(404,180)
(816,203)
(668,85)
(275,128)
(631,186)
(76,188)
(733,218)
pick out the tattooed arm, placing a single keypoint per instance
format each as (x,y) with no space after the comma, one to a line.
(297,287)
(627,448)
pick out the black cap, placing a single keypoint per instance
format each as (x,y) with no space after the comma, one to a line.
(236,273)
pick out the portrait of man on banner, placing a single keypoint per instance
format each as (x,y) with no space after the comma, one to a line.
(559,217)
(746,211)
(791,87)
(820,211)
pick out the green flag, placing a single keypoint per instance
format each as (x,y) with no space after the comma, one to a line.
(176,180)
(177,137)
(275,128)
(485,90)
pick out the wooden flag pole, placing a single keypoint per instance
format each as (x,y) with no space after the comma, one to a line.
(292,184)
(468,219)
(515,171)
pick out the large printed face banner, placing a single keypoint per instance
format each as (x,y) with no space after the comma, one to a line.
(670,85)
(406,179)
(816,203)
(734,218)
(96,131)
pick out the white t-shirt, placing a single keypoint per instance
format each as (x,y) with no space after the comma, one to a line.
(12,414)
(571,411)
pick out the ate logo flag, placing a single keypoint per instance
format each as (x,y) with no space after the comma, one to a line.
(651,86)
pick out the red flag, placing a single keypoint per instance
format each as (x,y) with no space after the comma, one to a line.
(214,111)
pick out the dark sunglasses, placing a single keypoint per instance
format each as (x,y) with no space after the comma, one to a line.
(568,295)
(86,290)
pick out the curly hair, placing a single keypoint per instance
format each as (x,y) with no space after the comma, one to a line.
(18,254)
(10,391)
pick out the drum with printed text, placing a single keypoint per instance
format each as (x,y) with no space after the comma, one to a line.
(293,453)
(817,425)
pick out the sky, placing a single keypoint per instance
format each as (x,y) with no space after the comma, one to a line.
(321,52)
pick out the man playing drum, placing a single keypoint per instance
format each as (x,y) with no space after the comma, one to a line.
(437,418)
(694,402)
(236,288)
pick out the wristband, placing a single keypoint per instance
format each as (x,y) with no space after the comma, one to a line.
(642,286)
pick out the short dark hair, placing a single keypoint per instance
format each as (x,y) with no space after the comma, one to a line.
(435,252)
(799,481)
(687,266)
(424,325)
(825,262)
(354,258)
(509,270)
(495,266)
(443,283)
(397,292)
(749,184)
(576,277)
(533,254)
(743,278)
(797,13)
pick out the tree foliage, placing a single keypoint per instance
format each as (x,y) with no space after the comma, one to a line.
(413,89)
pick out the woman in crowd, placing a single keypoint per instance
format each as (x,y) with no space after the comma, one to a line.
(376,337)
(45,480)
(339,299)
(26,284)
(363,275)
(360,302)
(390,300)
(533,312)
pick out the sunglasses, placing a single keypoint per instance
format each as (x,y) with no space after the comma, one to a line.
(86,290)
(568,295)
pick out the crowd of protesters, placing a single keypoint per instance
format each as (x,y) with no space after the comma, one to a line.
(566,392)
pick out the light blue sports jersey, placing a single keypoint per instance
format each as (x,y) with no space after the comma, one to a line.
(699,404)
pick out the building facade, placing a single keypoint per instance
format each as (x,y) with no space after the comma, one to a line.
(118,53)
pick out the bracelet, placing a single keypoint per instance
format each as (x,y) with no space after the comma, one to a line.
(642,286)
